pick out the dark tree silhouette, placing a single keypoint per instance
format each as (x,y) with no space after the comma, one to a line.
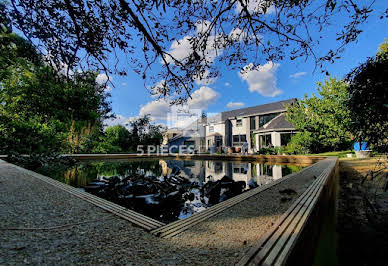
(85,33)
(368,94)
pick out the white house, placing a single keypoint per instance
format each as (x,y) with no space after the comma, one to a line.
(261,126)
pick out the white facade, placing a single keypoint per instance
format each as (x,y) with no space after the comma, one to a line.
(265,123)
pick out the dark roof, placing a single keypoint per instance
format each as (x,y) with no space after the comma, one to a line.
(278,123)
(264,108)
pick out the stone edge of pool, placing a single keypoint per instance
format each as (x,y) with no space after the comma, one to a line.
(302,159)
(175,228)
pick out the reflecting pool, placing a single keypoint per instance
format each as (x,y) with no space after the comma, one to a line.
(168,190)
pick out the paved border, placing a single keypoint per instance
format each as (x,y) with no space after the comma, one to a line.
(129,215)
(295,159)
(286,242)
(174,228)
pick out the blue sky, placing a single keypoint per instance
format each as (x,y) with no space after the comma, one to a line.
(274,82)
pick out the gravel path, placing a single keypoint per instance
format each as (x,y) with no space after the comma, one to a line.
(77,232)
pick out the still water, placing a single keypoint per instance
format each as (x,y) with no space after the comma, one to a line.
(168,190)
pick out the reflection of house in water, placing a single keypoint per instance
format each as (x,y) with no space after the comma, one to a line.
(265,173)
(192,170)
(253,174)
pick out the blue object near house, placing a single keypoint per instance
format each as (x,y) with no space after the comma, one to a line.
(362,147)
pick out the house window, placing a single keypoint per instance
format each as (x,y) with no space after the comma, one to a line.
(239,123)
(211,128)
(285,138)
(218,167)
(265,140)
(264,119)
(252,122)
(239,139)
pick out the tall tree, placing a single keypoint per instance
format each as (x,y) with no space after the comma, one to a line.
(118,136)
(323,120)
(41,109)
(143,132)
(237,33)
(368,94)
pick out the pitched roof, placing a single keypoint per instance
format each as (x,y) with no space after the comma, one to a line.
(258,109)
(278,123)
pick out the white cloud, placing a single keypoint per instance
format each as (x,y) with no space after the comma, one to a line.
(118,120)
(238,34)
(261,79)
(102,79)
(235,104)
(161,110)
(202,98)
(297,75)
(182,49)
(202,26)
(257,6)
(227,84)
(158,109)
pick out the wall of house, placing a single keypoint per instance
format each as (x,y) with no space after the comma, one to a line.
(275,136)
(241,130)
(218,128)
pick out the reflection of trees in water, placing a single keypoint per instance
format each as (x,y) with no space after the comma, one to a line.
(124,168)
(164,198)
(166,190)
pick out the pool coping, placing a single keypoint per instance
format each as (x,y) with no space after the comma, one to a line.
(310,159)
(174,228)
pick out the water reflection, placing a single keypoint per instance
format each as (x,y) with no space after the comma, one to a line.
(168,190)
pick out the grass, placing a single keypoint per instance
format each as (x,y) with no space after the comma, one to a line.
(339,154)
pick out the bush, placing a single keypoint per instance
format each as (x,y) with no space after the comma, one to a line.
(272,151)
(299,143)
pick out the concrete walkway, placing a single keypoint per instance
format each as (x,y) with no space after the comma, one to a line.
(40,223)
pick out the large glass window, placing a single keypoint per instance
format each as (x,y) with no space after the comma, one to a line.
(238,140)
(252,122)
(264,119)
(285,138)
(265,140)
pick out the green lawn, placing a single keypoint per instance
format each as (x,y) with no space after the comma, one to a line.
(339,154)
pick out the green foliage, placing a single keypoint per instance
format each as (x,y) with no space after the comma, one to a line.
(300,143)
(42,111)
(272,151)
(118,137)
(368,94)
(322,121)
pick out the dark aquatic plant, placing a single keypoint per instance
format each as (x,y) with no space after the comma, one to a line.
(164,198)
